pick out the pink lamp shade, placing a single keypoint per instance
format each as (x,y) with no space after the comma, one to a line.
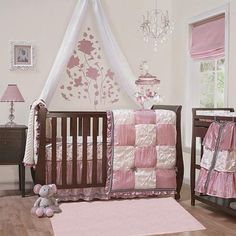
(12,94)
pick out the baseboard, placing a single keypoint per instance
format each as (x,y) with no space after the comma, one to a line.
(15,185)
(186,181)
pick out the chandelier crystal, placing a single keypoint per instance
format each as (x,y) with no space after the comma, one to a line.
(156,25)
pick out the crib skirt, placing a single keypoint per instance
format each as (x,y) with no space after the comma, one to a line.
(218,184)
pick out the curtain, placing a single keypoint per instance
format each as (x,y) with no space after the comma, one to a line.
(208,38)
(65,51)
(114,54)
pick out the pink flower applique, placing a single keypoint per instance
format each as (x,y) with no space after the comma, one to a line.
(68,73)
(115,100)
(92,73)
(74,61)
(78,82)
(86,46)
(64,96)
(110,74)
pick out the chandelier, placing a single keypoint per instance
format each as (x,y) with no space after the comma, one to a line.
(157,26)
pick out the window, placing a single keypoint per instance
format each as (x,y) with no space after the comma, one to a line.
(207,64)
(212,83)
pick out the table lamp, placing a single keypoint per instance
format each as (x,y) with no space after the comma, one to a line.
(12,94)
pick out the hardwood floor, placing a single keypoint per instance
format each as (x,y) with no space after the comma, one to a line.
(16,220)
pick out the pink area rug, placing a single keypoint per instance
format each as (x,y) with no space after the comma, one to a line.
(123,218)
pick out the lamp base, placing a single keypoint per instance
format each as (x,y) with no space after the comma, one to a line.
(10,124)
(11,117)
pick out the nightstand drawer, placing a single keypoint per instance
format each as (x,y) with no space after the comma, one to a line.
(10,139)
(13,156)
(12,144)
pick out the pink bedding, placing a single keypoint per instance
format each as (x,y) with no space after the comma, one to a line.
(144,155)
(217,176)
(79,193)
(79,149)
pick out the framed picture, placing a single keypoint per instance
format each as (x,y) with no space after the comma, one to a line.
(22,55)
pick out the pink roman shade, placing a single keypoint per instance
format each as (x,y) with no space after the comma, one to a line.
(208,38)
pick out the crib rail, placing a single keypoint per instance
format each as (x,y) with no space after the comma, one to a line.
(81,128)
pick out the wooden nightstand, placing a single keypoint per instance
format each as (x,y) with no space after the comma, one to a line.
(12,149)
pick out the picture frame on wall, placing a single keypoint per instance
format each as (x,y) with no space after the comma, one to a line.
(22,55)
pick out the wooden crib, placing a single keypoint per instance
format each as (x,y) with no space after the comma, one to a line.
(85,125)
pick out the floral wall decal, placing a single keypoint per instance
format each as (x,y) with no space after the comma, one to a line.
(88,78)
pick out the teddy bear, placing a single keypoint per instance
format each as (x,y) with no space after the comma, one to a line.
(46,204)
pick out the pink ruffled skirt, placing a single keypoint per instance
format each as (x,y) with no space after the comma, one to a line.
(220,184)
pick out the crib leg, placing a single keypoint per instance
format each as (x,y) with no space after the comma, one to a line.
(192,201)
(177,196)
(32,174)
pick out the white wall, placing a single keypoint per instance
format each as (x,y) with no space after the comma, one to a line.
(45,22)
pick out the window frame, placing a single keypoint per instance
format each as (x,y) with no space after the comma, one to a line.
(191,99)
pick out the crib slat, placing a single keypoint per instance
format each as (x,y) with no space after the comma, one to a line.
(86,120)
(89,127)
(201,141)
(80,126)
(71,128)
(104,150)
(95,134)
(74,149)
(54,149)
(64,147)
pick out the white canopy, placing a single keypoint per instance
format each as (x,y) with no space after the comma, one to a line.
(119,64)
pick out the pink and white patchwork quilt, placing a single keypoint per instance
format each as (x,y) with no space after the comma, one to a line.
(143,154)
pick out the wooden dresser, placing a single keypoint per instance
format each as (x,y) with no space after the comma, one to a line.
(12,148)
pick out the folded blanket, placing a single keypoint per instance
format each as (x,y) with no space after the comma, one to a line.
(30,157)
